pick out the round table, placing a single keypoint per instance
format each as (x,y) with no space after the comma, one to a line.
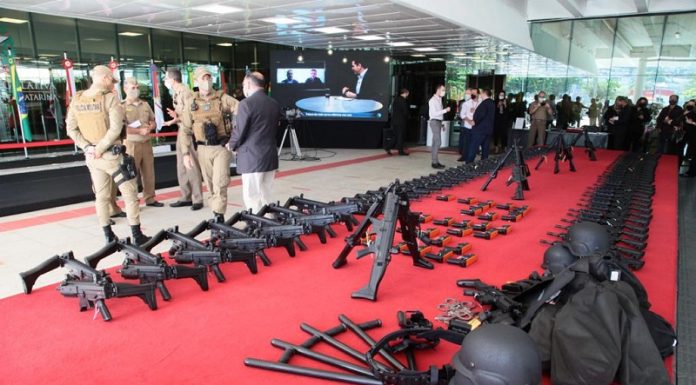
(339,106)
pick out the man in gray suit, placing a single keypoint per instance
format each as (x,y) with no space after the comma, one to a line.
(253,139)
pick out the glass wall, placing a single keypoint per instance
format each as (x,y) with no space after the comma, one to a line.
(41,42)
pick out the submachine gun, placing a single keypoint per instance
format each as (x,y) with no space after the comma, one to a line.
(590,148)
(520,172)
(394,206)
(345,211)
(564,153)
(285,234)
(140,264)
(92,287)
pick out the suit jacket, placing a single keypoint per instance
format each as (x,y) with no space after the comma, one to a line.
(399,112)
(254,134)
(484,117)
(370,87)
(673,113)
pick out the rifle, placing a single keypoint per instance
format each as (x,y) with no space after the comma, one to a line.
(494,173)
(520,172)
(186,249)
(345,211)
(147,267)
(91,286)
(590,148)
(285,234)
(318,223)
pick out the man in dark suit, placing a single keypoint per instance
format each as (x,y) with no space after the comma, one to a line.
(398,122)
(366,86)
(667,122)
(482,128)
(313,79)
(253,140)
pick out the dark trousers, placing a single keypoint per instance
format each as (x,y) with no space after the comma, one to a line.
(500,132)
(635,138)
(475,141)
(620,138)
(397,138)
(690,144)
(464,134)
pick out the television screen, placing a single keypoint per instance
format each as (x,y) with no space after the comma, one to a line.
(323,86)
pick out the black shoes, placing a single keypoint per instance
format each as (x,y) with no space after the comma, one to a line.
(461,159)
(438,165)
(197,206)
(138,237)
(388,152)
(686,175)
(180,204)
(218,218)
(154,204)
(109,234)
(119,215)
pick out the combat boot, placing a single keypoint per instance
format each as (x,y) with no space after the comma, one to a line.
(138,237)
(218,218)
(109,234)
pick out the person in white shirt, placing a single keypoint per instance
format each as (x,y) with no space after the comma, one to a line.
(435,113)
(467,115)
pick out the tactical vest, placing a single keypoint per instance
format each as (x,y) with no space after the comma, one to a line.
(92,117)
(208,110)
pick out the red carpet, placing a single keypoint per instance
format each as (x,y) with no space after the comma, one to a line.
(201,337)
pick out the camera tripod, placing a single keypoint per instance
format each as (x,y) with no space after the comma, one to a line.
(295,149)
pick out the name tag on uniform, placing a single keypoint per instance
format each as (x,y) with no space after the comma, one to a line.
(206,107)
(135,124)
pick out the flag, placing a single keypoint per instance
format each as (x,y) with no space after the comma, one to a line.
(53,103)
(18,96)
(156,100)
(113,66)
(223,81)
(189,74)
(70,89)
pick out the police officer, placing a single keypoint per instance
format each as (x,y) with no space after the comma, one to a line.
(190,180)
(140,121)
(205,119)
(95,123)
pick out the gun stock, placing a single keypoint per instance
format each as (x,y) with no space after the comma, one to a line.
(29,277)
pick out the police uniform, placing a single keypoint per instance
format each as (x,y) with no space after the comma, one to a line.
(139,146)
(190,180)
(95,118)
(203,122)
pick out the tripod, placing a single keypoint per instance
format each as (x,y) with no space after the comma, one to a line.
(295,149)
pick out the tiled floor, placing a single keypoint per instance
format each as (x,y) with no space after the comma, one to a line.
(30,238)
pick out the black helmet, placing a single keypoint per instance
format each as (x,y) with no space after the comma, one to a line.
(587,238)
(557,258)
(497,354)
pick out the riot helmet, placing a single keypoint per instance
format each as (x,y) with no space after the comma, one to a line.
(557,258)
(497,354)
(587,238)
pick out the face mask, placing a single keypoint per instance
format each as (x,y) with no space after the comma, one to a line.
(672,102)
(501,96)
(133,94)
(541,100)
(473,97)
(467,96)
(205,85)
(690,107)
(168,84)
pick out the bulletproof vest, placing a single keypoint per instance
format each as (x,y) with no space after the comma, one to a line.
(92,116)
(207,110)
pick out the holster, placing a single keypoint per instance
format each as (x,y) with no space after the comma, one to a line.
(126,170)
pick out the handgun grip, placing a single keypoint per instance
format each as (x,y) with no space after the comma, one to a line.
(29,277)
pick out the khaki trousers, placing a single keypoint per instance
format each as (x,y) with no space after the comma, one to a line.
(100,170)
(113,207)
(215,166)
(537,127)
(189,180)
(256,189)
(145,163)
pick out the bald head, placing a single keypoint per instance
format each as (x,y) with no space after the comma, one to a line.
(253,82)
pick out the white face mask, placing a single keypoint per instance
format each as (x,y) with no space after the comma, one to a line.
(168,84)
(467,96)
(205,85)
(132,93)
(501,96)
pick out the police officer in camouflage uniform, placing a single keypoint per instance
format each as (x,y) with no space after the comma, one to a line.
(204,122)
(95,123)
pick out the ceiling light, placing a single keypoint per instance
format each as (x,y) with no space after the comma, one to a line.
(418,55)
(93,39)
(386,59)
(459,54)
(217,8)
(425,49)
(280,20)
(369,37)
(400,44)
(677,35)
(330,52)
(437,59)
(224,44)
(12,21)
(130,34)
(300,58)
(330,30)
(345,60)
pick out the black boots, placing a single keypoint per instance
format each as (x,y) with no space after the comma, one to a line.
(109,234)
(218,218)
(138,237)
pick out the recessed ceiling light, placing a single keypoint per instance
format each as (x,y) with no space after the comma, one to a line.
(93,39)
(369,37)
(425,49)
(418,55)
(330,30)
(217,8)
(224,44)
(400,44)
(459,54)
(437,59)
(12,21)
(280,20)
(130,34)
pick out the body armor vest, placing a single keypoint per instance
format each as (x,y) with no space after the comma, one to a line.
(208,111)
(92,117)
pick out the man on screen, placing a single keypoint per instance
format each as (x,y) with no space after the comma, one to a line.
(365,85)
(313,79)
(289,79)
